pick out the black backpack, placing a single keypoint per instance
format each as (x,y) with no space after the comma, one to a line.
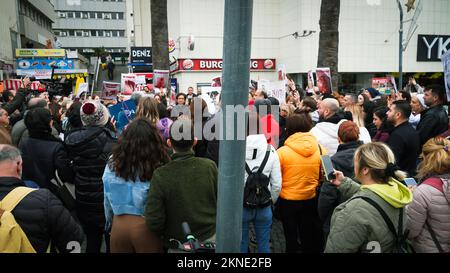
(256,191)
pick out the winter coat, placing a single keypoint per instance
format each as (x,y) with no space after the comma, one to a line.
(20,132)
(184,190)
(300,166)
(256,151)
(357,226)
(41,159)
(405,144)
(90,149)
(5,136)
(330,196)
(16,103)
(327,134)
(431,205)
(43,218)
(381,137)
(433,122)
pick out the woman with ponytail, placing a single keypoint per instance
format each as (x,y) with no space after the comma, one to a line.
(357,225)
(428,214)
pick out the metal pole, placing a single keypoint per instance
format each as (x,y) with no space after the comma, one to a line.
(400,64)
(236,77)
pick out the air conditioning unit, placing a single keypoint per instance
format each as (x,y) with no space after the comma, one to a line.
(62,15)
(107,16)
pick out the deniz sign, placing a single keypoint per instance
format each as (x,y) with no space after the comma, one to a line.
(141,55)
(430,48)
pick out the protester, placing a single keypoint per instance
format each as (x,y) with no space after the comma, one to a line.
(300,166)
(260,157)
(330,196)
(148,108)
(44,154)
(269,124)
(428,221)
(40,215)
(326,130)
(384,127)
(127,179)
(433,121)
(73,118)
(417,106)
(19,131)
(403,140)
(89,148)
(368,109)
(190,95)
(404,95)
(56,112)
(164,122)
(363,98)
(413,86)
(188,194)
(356,224)
(181,99)
(5,128)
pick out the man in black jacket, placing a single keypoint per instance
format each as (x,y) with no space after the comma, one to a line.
(433,121)
(404,141)
(40,214)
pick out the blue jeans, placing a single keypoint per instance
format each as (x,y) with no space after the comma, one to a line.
(262,219)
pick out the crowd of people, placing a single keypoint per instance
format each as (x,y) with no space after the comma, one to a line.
(134,189)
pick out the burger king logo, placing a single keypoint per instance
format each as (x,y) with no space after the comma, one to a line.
(188,64)
(268,64)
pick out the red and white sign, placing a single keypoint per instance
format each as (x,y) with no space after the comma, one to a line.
(217,65)
(134,82)
(110,90)
(16,84)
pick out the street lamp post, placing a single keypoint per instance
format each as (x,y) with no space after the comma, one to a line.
(400,47)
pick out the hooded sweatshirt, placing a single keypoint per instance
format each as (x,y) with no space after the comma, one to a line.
(300,167)
(357,226)
(327,134)
(256,151)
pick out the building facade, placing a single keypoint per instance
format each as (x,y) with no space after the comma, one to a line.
(89,24)
(288,32)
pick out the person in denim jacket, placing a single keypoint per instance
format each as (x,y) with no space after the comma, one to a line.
(126,180)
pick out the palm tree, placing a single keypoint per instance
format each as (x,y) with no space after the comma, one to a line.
(329,38)
(160,34)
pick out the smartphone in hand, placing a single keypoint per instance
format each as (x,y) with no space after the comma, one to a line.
(410,181)
(327,166)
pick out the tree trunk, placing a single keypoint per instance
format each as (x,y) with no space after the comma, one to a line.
(160,35)
(329,38)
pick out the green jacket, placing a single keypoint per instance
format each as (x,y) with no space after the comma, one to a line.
(356,226)
(184,190)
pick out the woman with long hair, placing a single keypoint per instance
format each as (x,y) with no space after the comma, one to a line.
(148,108)
(127,179)
(428,221)
(357,114)
(384,128)
(358,225)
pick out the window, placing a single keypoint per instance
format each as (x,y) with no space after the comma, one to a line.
(79,33)
(85,15)
(92,15)
(99,15)
(71,33)
(63,34)
(62,15)
(93,33)
(78,14)
(70,15)
(107,16)
(121,33)
(107,33)
(86,33)
(114,33)
(120,14)
(100,33)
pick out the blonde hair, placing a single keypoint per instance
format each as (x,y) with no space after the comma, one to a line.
(377,157)
(358,114)
(148,109)
(289,109)
(436,157)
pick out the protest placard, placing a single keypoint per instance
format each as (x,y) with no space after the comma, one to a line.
(110,90)
(123,113)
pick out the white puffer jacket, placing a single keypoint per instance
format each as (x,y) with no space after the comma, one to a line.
(430,204)
(256,151)
(327,135)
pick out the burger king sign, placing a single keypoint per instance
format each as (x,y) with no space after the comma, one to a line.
(217,64)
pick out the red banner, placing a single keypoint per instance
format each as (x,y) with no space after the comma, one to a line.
(217,65)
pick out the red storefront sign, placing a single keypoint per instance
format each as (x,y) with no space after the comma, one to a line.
(217,65)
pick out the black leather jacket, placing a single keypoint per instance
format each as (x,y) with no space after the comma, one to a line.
(433,122)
